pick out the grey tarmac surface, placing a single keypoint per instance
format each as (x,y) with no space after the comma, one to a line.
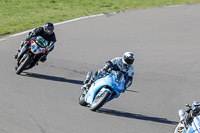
(166,42)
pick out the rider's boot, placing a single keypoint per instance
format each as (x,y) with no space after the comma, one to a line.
(43,59)
(86,87)
(88,77)
(89,80)
(86,83)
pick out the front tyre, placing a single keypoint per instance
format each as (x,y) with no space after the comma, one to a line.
(82,100)
(99,100)
(179,128)
(23,63)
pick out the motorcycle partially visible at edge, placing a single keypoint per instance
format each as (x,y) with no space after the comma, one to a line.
(189,119)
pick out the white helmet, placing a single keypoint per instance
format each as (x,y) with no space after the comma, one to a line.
(128,59)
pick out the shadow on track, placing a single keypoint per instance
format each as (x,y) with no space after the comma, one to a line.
(136,116)
(53,78)
(132,91)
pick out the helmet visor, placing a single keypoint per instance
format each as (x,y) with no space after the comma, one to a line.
(49,32)
(129,61)
(125,65)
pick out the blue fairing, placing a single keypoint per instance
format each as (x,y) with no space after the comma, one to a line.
(110,82)
(190,130)
(195,126)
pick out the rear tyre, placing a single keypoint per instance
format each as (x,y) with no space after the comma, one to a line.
(23,63)
(82,100)
(99,101)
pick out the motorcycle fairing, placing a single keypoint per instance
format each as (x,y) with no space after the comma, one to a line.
(103,84)
(196,125)
(36,49)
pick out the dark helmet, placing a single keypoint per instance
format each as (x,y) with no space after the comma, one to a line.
(195,111)
(195,108)
(128,59)
(48,28)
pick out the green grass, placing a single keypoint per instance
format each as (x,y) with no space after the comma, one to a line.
(20,15)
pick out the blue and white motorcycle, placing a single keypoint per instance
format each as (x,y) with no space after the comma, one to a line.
(189,119)
(107,87)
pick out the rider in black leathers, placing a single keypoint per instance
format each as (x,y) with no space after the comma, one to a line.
(47,32)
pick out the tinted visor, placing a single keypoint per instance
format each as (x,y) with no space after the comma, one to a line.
(129,61)
(49,32)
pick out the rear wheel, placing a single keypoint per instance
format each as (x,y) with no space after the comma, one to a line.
(23,63)
(99,101)
(82,100)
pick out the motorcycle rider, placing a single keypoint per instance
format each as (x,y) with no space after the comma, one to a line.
(47,32)
(193,112)
(124,64)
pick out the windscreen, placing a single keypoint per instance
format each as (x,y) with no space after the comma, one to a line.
(119,76)
(41,41)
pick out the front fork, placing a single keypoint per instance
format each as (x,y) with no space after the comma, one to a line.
(22,51)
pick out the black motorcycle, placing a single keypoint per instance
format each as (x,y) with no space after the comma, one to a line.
(30,54)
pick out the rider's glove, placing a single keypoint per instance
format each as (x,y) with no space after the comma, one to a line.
(103,72)
(109,70)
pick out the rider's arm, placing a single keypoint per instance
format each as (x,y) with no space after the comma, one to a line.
(51,46)
(129,77)
(128,82)
(51,43)
(108,65)
(112,64)
(33,33)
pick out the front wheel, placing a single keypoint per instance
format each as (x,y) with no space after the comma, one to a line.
(23,63)
(99,100)
(179,128)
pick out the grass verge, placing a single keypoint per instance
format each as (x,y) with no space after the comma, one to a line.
(20,15)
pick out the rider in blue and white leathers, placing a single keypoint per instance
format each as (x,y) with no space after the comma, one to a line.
(195,110)
(124,64)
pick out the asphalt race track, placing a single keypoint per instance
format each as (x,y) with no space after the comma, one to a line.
(166,42)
